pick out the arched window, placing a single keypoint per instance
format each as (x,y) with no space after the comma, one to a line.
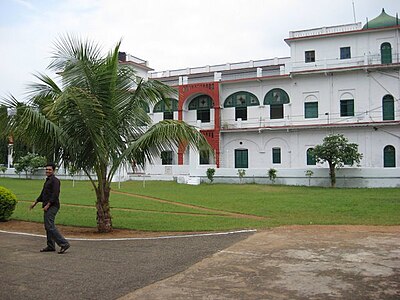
(388,107)
(310,157)
(202,104)
(167,106)
(386,53)
(346,105)
(389,157)
(276,98)
(240,101)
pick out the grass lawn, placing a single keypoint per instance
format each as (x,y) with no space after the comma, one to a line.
(206,207)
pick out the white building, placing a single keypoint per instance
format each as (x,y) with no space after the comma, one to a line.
(268,113)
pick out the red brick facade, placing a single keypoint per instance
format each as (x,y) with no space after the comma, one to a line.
(211,89)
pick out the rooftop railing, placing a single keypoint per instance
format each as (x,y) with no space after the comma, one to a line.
(221,67)
(325,30)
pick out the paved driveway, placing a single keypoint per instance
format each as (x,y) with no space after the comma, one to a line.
(312,262)
(309,262)
(97,269)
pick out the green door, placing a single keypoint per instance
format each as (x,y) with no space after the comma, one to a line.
(388,107)
(389,157)
(386,53)
(241,158)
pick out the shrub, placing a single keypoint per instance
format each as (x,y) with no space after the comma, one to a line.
(241,173)
(3,169)
(272,174)
(7,203)
(210,174)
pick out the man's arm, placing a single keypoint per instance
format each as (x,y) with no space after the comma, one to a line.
(33,204)
(39,199)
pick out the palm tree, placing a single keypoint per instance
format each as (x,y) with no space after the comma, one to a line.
(96,121)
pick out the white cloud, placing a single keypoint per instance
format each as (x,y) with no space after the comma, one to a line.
(24,3)
(169,33)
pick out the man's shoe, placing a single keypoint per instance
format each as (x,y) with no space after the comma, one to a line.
(47,249)
(64,248)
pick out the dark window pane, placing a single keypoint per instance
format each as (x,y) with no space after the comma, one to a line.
(346,108)
(389,157)
(241,158)
(310,157)
(204,158)
(168,115)
(276,155)
(276,111)
(345,53)
(386,53)
(241,112)
(203,116)
(310,56)
(388,107)
(166,157)
(311,110)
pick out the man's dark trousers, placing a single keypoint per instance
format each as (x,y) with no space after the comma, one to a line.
(53,235)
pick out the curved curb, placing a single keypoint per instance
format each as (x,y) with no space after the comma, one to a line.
(138,239)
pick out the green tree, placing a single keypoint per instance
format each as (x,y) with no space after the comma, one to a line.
(96,121)
(29,164)
(309,174)
(337,151)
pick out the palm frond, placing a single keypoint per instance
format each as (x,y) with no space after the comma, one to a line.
(161,136)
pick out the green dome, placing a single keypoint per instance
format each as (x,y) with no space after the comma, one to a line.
(383,20)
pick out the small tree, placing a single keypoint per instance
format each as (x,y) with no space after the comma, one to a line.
(309,174)
(272,174)
(30,163)
(72,170)
(337,151)
(210,174)
(241,173)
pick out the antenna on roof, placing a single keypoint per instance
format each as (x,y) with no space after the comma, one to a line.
(354,12)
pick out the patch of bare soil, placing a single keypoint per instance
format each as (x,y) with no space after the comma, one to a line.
(84,232)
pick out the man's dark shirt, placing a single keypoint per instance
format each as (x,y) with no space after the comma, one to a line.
(50,192)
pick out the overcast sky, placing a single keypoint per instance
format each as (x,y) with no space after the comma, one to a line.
(170,34)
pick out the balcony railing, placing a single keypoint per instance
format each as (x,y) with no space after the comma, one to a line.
(336,63)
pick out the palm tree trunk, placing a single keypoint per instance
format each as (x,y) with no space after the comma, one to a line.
(104,223)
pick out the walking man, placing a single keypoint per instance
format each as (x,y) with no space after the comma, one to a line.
(51,204)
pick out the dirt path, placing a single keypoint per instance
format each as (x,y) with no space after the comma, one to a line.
(219,212)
